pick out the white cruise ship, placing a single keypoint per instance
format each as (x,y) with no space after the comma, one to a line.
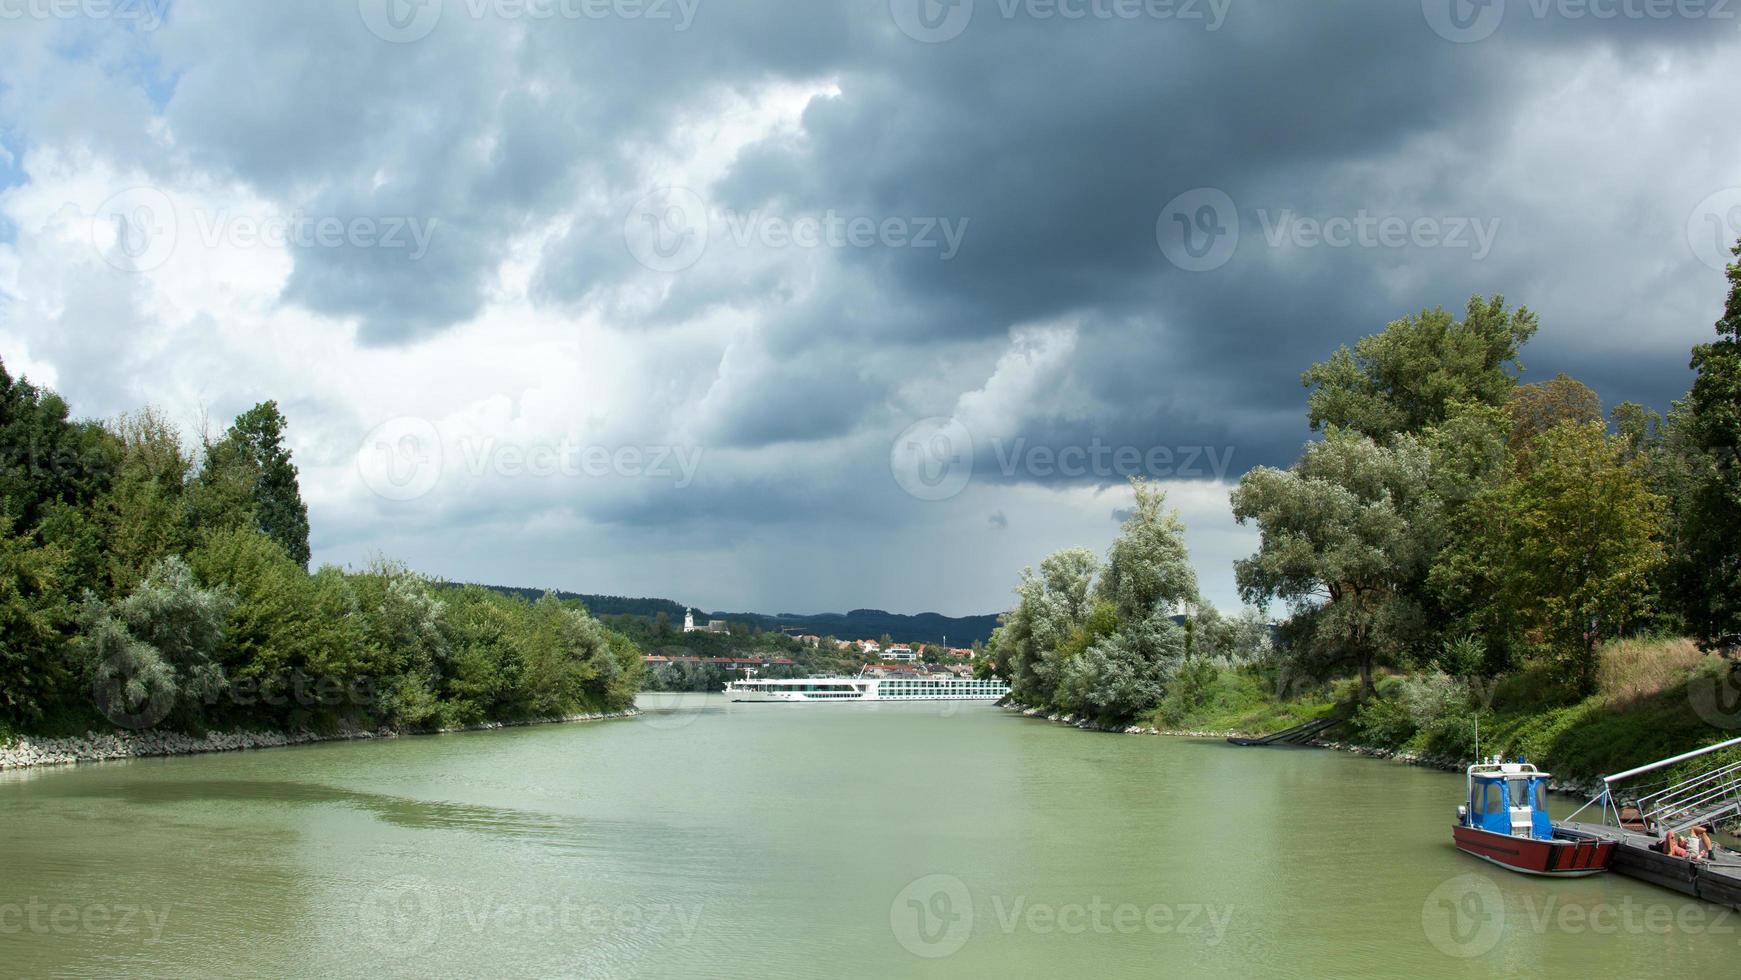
(867,689)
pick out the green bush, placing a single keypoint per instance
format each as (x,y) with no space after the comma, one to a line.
(1188,691)
(1383,722)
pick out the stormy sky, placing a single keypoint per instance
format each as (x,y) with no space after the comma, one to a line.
(805,305)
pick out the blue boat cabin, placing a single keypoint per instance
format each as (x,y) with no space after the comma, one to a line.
(1512,801)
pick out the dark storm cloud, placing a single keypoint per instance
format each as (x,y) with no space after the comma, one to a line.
(1061,142)
(1057,143)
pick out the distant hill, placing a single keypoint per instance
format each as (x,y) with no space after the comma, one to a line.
(871,624)
(859,624)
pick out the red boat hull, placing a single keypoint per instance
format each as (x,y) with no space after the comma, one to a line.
(1561,857)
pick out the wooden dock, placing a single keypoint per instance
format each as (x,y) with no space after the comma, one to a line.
(1717,880)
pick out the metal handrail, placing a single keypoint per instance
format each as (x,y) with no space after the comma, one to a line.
(1687,802)
(1675,795)
(1684,756)
(1707,801)
(1703,777)
(1699,816)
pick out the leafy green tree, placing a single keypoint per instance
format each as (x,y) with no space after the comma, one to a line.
(45,458)
(1148,568)
(1347,536)
(1470,457)
(133,684)
(1407,377)
(1050,608)
(1570,554)
(159,645)
(1231,640)
(249,477)
(483,625)
(293,642)
(1708,518)
(405,633)
(621,683)
(1124,675)
(1536,408)
(35,613)
(1123,671)
(144,514)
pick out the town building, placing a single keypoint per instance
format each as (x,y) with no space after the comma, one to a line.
(713,625)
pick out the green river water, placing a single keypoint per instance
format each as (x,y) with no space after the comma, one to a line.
(709,839)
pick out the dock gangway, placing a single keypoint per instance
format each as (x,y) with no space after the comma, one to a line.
(1711,796)
(1294,735)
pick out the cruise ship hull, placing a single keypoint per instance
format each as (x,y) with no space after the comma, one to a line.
(821,690)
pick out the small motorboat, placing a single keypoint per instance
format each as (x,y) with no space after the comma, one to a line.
(1506,821)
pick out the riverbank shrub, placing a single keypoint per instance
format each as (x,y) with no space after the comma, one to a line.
(1671,706)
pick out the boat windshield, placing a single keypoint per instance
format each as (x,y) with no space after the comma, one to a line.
(1519,792)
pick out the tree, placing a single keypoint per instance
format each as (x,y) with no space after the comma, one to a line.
(44,457)
(1148,568)
(249,479)
(35,610)
(1708,519)
(1131,644)
(1107,649)
(1347,536)
(1124,675)
(144,513)
(293,642)
(1050,607)
(1470,456)
(405,634)
(1536,408)
(1408,377)
(1572,548)
(154,654)
(1232,640)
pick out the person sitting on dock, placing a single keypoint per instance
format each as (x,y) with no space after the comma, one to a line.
(1695,847)
(1671,845)
(1700,847)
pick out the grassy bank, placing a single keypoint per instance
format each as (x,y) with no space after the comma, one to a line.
(1655,699)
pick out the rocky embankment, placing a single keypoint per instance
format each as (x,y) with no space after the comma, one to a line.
(1571,787)
(28,752)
